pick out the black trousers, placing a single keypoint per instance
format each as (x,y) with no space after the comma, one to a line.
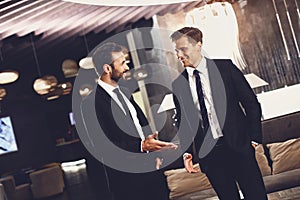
(227,168)
(144,186)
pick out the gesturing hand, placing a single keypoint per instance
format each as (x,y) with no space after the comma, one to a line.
(188,163)
(152,144)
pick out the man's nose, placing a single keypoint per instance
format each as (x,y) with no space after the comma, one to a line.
(126,66)
(179,54)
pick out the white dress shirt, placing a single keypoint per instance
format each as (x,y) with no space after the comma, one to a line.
(212,116)
(110,90)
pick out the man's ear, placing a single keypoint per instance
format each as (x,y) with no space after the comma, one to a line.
(199,43)
(106,68)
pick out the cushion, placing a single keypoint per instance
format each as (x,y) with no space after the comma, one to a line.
(285,155)
(262,160)
(180,182)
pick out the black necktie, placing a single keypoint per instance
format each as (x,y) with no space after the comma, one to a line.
(203,110)
(122,100)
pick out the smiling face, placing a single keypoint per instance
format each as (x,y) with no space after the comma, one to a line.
(188,52)
(119,66)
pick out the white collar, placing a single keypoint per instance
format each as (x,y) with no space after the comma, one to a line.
(107,87)
(201,67)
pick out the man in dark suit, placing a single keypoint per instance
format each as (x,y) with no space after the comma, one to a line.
(218,114)
(125,126)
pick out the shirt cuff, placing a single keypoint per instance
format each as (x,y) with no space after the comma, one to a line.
(184,155)
(141,148)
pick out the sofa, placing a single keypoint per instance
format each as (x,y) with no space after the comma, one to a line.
(278,158)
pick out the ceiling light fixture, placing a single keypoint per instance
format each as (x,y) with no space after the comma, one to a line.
(128,2)
(86,62)
(7,75)
(45,84)
(70,68)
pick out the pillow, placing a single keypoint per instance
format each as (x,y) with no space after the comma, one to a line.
(262,160)
(285,155)
(180,182)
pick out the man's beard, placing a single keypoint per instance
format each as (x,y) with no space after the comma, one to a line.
(115,78)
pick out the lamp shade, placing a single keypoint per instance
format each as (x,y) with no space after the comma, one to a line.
(70,68)
(86,63)
(85,90)
(2,93)
(8,76)
(45,84)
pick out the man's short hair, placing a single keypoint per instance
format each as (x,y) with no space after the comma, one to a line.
(103,55)
(194,35)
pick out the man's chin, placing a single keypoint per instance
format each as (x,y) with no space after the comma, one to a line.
(116,79)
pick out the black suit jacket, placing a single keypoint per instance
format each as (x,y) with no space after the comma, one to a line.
(236,106)
(118,127)
(120,131)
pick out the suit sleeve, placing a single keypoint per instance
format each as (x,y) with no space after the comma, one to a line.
(249,103)
(178,121)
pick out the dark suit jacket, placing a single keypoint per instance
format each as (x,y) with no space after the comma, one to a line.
(121,131)
(118,127)
(236,106)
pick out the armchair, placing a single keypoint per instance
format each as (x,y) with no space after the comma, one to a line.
(47,182)
(13,192)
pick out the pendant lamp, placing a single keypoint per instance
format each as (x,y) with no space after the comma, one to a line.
(7,75)
(86,63)
(45,84)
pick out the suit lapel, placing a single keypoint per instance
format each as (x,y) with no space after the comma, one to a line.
(217,90)
(124,122)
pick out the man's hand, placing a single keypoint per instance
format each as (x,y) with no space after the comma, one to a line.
(188,163)
(254,144)
(158,163)
(152,144)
